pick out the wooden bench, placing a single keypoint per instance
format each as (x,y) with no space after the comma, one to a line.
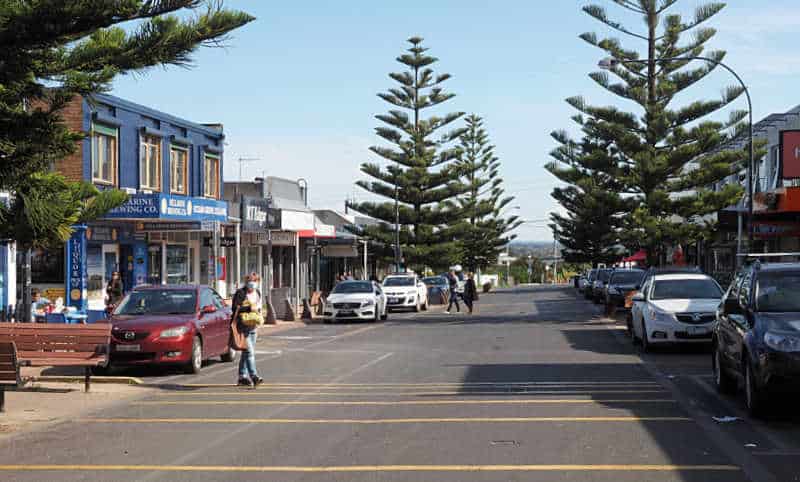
(57,345)
(9,370)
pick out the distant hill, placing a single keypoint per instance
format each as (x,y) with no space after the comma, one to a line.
(538,249)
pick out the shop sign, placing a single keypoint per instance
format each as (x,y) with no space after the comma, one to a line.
(790,154)
(224,242)
(190,226)
(258,216)
(77,279)
(166,206)
(283,238)
(101,233)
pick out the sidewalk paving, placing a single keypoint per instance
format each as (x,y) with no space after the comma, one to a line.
(40,404)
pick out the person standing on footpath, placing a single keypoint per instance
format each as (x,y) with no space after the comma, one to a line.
(453,282)
(114,291)
(246,308)
(470,292)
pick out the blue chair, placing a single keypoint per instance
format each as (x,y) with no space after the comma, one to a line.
(55,318)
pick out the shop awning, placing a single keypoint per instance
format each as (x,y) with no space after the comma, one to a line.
(640,256)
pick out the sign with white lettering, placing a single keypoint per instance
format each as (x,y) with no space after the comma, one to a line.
(165,206)
(283,238)
(257,216)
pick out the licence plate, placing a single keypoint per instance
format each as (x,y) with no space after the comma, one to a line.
(394,300)
(128,348)
(347,313)
(698,330)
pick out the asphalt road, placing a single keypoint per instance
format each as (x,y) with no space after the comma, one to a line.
(536,386)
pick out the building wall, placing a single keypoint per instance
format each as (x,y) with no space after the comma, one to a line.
(71,166)
(130,119)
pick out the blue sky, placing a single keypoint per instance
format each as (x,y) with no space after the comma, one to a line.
(296,88)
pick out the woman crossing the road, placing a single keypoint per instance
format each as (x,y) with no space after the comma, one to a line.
(246,308)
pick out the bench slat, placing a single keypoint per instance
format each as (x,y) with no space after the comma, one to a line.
(70,363)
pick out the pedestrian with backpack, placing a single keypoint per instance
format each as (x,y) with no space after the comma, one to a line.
(247,307)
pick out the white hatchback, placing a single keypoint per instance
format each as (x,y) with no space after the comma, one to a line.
(356,300)
(675,308)
(405,291)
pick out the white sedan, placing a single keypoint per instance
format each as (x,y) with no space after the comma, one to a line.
(405,291)
(356,300)
(675,308)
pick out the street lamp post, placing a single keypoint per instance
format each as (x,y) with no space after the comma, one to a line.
(611,63)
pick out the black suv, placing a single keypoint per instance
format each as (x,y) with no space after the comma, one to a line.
(621,282)
(756,339)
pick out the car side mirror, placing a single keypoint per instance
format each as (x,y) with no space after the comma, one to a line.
(209,309)
(638,297)
(732,306)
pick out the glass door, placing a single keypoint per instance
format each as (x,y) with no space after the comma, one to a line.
(154,264)
(177,264)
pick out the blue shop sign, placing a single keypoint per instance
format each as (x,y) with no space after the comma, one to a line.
(165,206)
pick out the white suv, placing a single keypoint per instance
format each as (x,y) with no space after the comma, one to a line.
(405,291)
(675,308)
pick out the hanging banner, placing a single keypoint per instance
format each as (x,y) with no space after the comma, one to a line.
(77,279)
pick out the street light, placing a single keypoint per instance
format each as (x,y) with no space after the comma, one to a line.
(610,63)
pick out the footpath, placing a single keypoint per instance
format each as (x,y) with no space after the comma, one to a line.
(51,395)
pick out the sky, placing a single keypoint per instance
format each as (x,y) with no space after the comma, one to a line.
(296,89)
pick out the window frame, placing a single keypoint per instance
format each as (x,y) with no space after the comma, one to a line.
(144,150)
(185,151)
(215,158)
(109,133)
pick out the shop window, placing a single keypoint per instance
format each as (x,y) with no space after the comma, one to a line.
(150,163)
(177,264)
(211,176)
(104,155)
(178,170)
(47,266)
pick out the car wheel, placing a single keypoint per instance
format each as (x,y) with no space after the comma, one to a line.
(646,347)
(722,380)
(229,356)
(102,370)
(425,306)
(754,397)
(629,325)
(385,314)
(196,362)
(416,306)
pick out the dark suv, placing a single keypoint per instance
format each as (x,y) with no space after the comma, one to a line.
(621,282)
(756,339)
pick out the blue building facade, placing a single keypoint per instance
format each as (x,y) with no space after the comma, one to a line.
(173,225)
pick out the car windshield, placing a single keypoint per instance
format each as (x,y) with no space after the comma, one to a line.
(777,292)
(158,302)
(434,280)
(353,287)
(686,289)
(603,275)
(626,277)
(399,281)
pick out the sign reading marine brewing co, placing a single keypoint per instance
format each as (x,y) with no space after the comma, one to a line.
(258,216)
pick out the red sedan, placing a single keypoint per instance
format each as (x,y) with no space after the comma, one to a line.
(176,325)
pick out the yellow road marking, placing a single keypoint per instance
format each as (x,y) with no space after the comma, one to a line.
(398,402)
(385,420)
(250,392)
(367,386)
(379,468)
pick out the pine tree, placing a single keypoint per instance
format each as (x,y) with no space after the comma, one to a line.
(592,224)
(421,173)
(669,157)
(485,232)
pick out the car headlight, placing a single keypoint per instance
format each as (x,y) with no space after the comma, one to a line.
(368,303)
(661,316)
(411,293)
(174,332)
(782,342)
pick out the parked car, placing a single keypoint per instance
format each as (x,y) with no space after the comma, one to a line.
(437,286)
(756,339)
(405,291)
(176,325)
(599,284)
(355,300)
(675,307)
(587,287)
(621,282)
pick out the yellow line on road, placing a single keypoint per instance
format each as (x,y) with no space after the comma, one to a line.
(356,421)
(376,468)
(366,386)
(251,392)
(400,402)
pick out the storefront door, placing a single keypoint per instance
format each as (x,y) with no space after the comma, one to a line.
(177,264)
(154,264)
